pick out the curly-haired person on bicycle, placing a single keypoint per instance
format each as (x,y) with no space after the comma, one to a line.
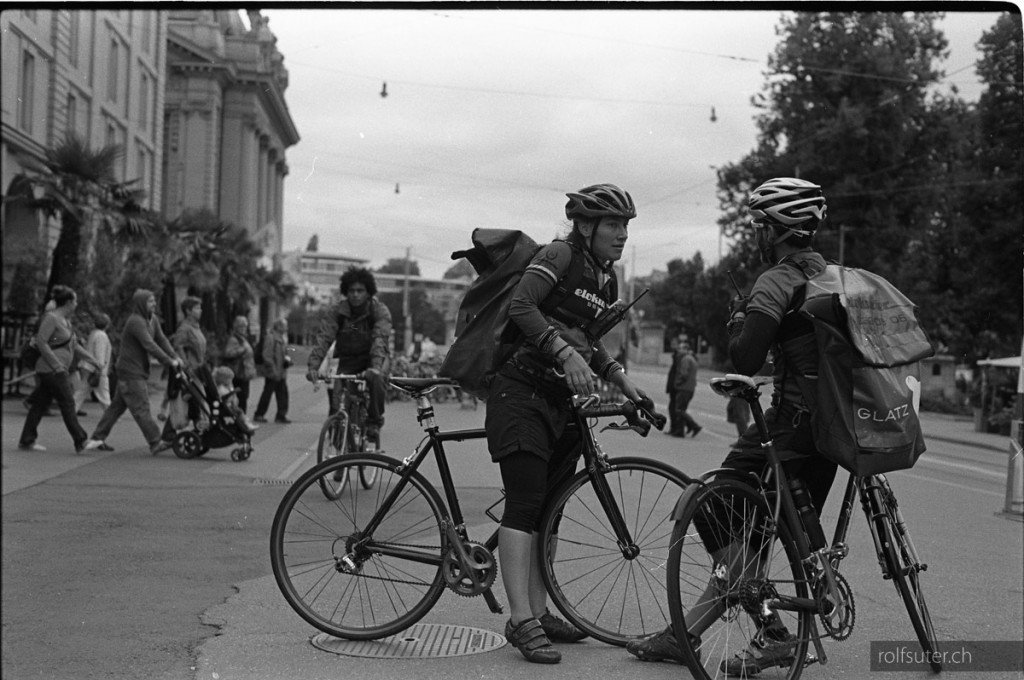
(785,213)
(528,408)
(359,326)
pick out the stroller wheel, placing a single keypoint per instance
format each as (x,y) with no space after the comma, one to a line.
(187,445)
(241,453)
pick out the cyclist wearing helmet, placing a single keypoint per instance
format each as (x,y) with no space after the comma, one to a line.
(527,410)
(785,213)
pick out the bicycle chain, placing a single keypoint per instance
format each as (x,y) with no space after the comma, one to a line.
(448,562)
(362,574)
(845,628)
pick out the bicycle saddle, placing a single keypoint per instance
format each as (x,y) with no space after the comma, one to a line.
(413,385)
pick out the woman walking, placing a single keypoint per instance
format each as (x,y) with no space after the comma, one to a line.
(57,347)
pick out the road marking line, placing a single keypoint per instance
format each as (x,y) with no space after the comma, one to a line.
(961,466)
(903,473)
(291,468)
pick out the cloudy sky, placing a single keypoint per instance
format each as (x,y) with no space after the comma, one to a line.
(492,115)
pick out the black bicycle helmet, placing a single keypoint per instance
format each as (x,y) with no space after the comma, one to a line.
(600,200)
(793,204)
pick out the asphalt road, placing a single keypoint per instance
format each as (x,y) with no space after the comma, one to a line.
(126,566)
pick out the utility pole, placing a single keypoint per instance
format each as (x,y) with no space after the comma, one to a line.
(407,335)
(842,243)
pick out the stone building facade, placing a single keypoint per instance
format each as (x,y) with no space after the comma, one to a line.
(98,74)
(195,97)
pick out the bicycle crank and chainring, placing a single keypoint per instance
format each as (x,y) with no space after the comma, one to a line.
(483,567)
(836,618)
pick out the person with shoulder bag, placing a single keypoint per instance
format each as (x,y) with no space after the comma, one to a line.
(528,408)
(785,215)
(55,341)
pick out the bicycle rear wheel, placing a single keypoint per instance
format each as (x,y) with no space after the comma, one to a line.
(333,442)
(723,597)
(349,583)
(614,593)
(905,570)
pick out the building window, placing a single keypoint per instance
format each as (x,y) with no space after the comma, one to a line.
(75,30)
(144,102)
(936,369)
(111,134)
(28,91)
(113,66)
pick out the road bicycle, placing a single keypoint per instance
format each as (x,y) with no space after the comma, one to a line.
(749,568)
(369,564)
(344,432)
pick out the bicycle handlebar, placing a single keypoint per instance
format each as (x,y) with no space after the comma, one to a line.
(638,418)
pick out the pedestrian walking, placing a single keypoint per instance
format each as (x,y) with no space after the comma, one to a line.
(670,387)
(55,340)
(141,338)
(684,386)
(94,378)
(275,373)
(239,356)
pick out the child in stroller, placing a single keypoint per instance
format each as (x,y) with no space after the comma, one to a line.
(220,423)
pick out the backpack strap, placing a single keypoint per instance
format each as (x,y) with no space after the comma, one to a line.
(568,283)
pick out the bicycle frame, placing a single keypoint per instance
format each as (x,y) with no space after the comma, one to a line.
(594,460)
(876,499)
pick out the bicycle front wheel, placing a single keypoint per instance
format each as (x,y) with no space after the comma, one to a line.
(905,570)
(348,582)
(333,442)
(614,592)
(728,561)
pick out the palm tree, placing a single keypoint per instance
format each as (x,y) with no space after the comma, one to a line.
(219,262)
(80,189)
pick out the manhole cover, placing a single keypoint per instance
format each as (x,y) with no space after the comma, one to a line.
(420,641)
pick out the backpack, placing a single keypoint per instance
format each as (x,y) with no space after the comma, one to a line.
(867,394)
(484,337)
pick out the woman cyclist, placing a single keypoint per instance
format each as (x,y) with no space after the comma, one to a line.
(527,408)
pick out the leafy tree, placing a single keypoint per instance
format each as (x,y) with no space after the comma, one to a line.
(314,244)
(219,263)
(81,190)
(845,107)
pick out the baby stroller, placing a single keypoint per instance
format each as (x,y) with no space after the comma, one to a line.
(214,425)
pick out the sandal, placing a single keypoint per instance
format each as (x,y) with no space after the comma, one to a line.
(529,638)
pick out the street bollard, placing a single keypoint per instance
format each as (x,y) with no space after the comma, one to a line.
(1014,506)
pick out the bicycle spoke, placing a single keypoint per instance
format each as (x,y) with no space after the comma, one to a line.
(347,583)
(609,590)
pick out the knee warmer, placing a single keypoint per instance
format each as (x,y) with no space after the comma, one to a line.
(522,511)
